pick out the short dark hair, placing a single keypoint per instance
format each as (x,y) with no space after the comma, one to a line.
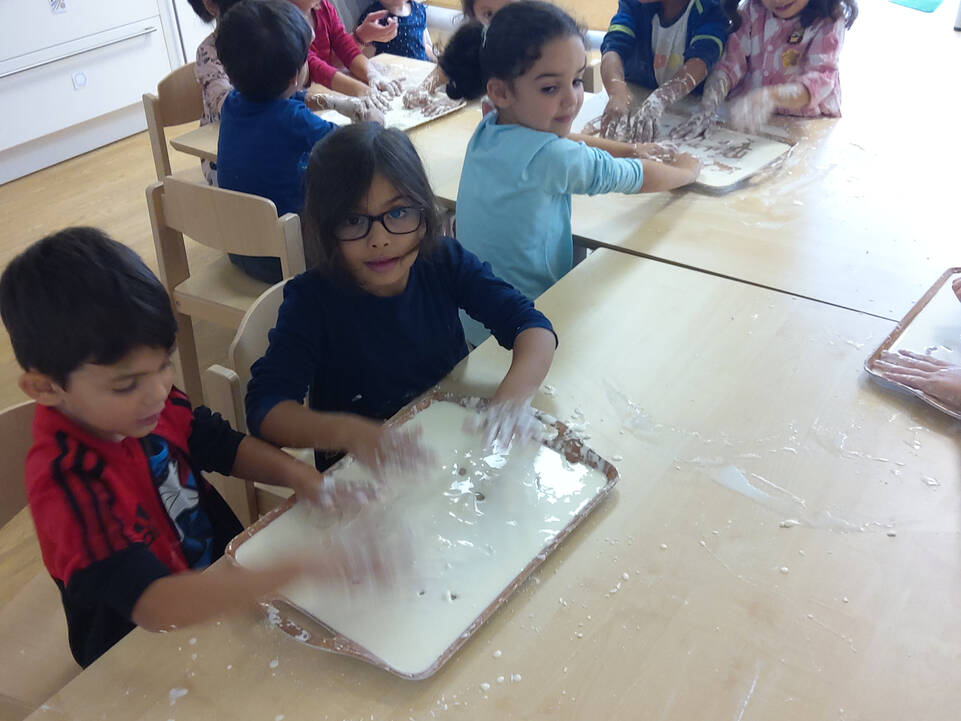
(262,45)
(366,149)
(79,297)
(511,45)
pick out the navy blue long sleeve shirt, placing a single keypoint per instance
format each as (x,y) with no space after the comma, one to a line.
(263,147)
(629,35)
(360,353)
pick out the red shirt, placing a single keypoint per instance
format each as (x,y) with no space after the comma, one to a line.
(331,42)
(104,531)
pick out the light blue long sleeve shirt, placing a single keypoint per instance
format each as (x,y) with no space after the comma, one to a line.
(514,201)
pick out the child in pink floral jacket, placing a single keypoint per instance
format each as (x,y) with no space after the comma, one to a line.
(781,57)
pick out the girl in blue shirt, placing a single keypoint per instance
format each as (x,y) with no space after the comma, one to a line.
(374,322)
(520,170)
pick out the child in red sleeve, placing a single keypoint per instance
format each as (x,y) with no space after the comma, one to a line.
(125,520)
(332,43)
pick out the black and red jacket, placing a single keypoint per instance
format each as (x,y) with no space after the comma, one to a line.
(104,532)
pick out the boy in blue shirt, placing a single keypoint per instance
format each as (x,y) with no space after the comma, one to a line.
(670,46)
(266,127)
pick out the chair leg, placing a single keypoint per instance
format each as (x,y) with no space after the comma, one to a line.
(189,365)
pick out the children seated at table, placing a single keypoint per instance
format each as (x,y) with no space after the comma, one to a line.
(266,127)
(668,46)
(779,59)
(374,321)
(333,48)
(520,170)
(412,39)
(124,518)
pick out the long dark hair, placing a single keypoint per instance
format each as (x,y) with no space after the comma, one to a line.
(815,10)
(510,46)
(339,173)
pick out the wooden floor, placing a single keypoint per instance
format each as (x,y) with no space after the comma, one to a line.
(103,188)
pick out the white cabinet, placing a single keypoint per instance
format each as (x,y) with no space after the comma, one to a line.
(72,73)
(192,29)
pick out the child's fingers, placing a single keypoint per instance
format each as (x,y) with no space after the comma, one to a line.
(910,359)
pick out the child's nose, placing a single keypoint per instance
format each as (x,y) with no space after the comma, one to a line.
(378,236)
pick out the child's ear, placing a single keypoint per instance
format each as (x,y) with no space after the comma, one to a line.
(500,93)
(41,388)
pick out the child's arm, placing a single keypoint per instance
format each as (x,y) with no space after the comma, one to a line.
(660,176)
(618,43)
(210,73)
(192,597)
(620,149)
(363,69)
(429,47)
(643,123)
(533,353)
(372,443)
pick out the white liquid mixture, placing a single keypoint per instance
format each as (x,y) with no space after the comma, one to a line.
(460,537)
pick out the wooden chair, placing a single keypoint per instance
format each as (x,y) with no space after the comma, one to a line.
(34,654)
(225,394)
(179,100)
(217,291)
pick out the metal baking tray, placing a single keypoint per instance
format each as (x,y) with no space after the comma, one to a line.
(932,323)
(326,634)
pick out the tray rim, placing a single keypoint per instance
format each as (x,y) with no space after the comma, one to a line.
(896,334)
(329,639)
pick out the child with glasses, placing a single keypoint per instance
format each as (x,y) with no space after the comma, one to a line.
(373,323)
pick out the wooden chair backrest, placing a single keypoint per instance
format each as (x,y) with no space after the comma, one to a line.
(16,437)
(232,222)
(250,341)
(179,99)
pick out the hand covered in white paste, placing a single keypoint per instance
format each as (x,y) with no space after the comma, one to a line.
(501,423)
(614,121)
(643,122)
(357,109)
(933,376)
(428,103)
(383,84)
(698,125)
(752,111)
(656,151)
(388,451)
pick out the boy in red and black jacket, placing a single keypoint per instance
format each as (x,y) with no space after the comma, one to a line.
(125,519)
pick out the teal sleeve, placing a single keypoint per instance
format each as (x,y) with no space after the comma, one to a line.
(566,167)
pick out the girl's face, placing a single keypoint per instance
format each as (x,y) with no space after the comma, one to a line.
(549,95)
(380,261)
(484,9)
(785,8)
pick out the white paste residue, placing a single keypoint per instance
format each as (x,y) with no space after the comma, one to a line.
(176,693)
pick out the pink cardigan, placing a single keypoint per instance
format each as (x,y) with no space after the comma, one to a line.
(331,42)
(766,50)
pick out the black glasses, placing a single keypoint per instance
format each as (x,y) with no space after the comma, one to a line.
(396,221)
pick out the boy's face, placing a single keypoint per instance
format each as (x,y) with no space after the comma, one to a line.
(122,400)
(549,95)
